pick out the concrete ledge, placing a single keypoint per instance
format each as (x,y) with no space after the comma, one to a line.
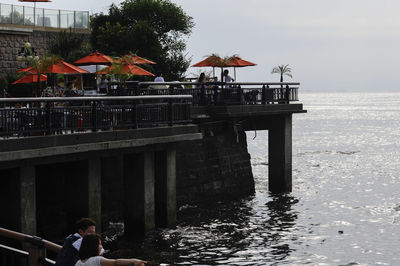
(26,143)
(96,146)
(28,29)
(255,110)
(16,30)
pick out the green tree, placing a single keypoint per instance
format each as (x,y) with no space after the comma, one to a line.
(282,70)
(154,29)
(69,46)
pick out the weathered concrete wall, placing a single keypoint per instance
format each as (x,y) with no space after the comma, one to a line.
(13,38)
(216,167)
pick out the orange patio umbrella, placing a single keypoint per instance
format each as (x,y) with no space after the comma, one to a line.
(30,78)
(59,67)
(26,69)
(127,69)
(95,58)
(212,61)
(236,61)
(134,59)
(140,60)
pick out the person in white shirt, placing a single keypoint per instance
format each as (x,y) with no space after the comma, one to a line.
(89,254)
(227,78)
(159,78)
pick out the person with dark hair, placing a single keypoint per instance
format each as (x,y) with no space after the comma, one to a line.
(69,253)
(227,78)
(89,254)
(202,78)
(159,77)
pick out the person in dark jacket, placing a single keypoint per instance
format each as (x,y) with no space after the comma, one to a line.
(69,253)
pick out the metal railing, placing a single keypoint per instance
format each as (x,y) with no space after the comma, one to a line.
(60,115)
(35,254)
(220,93)
(42,17)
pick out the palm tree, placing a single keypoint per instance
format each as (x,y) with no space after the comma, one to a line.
(38,65)
(282,70)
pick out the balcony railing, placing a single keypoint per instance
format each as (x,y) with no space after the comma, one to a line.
(55,115)
(41,17)
(220,93)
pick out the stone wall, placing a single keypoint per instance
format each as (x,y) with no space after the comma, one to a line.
(12,39)
(216,167)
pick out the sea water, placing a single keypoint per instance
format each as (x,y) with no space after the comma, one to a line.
(345,204)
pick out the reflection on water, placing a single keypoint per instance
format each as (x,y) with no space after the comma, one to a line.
(228,233)
(344,208)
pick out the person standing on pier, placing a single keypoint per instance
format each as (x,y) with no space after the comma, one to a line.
(227,78)
(69,253)
(159,78)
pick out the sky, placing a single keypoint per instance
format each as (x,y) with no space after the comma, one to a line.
(337,45)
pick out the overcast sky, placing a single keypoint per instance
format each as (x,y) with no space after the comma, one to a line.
(329,44)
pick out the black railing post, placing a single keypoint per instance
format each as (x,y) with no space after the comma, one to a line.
(37,251)
(241,95)
(47,122)
(263,95)
(287,94)
(215,94)
(134,115)
(170,112)
(94,116)
(203,100)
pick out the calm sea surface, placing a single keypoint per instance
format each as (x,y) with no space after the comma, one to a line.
(345,204)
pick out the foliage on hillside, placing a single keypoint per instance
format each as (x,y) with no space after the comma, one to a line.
(154,29)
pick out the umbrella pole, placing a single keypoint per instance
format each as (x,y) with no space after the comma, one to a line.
(97,82)
(234,70)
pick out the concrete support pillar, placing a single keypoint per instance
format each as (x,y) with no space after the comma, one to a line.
(165,166)
(94,191)
(148,189)
(139,181)
(28,199)
(171,187)
(280,155)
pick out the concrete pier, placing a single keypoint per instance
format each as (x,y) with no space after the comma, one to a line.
(139,203)
(280,155)
(165,167)
(28,199)
(94,190)
(47,183)
(140,175)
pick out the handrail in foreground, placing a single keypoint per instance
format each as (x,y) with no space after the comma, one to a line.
(37,247)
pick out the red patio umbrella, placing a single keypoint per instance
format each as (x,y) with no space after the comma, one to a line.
(134,59)
(59,67)
(140,60)
(30,78)
(127,69)
(95,58)
(236,61)
(26,69)
(212,61)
